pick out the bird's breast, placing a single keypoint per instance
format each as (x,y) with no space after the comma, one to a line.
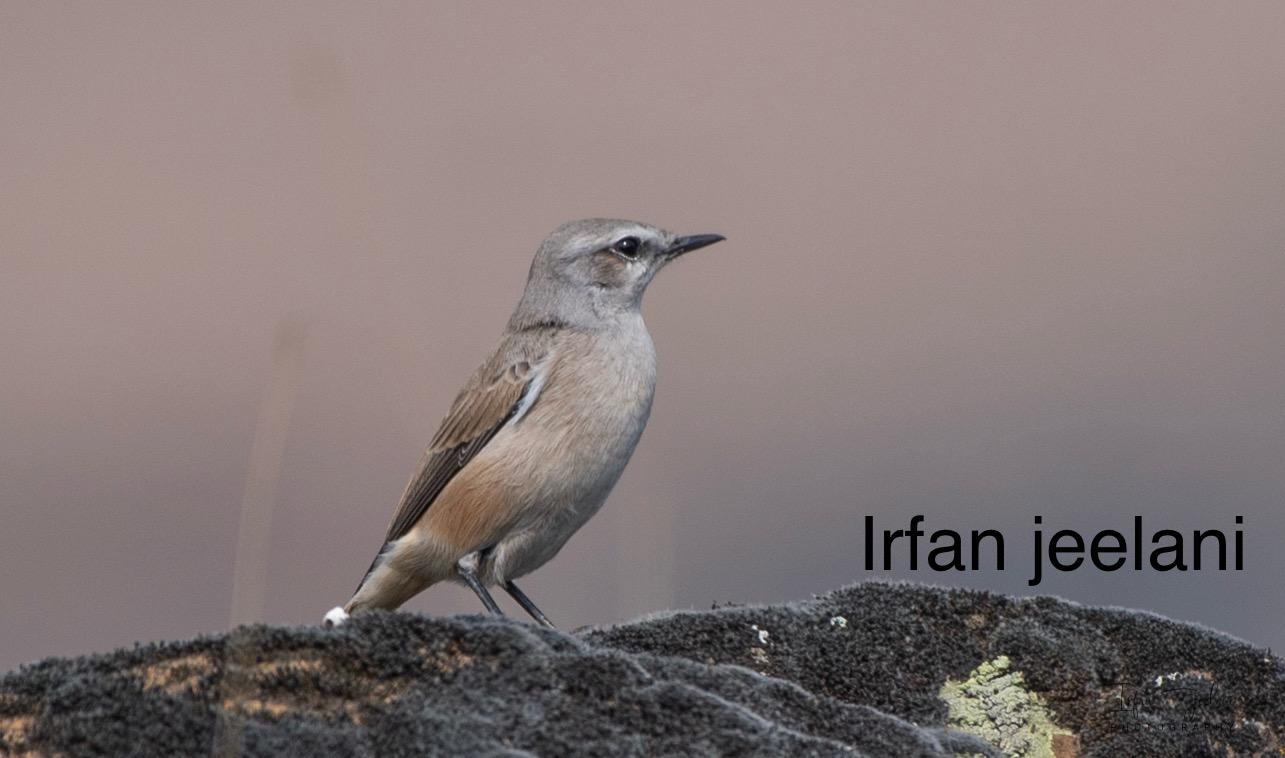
(566,453)
(598,394)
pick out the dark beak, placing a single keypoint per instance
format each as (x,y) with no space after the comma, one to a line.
(692,242)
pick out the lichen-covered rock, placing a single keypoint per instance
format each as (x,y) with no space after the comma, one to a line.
(995,704)
(860,671)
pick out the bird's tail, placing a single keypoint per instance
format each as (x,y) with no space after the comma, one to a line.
(379,557)
(383,586)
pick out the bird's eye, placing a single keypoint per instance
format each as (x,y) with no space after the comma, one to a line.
(627,246)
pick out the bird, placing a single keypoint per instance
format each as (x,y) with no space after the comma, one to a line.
(535,441)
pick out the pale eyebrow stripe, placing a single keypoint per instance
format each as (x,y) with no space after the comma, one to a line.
(584,239)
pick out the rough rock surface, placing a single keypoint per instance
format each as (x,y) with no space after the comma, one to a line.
(866,670)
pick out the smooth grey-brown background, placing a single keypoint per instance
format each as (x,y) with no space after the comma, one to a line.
(985,260)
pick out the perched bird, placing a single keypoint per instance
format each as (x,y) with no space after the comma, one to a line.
(542,430)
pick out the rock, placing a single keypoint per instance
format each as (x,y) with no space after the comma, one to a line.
(873,669)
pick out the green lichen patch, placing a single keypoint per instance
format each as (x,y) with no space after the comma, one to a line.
(994,704)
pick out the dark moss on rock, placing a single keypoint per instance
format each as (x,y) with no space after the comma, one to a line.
(858,671)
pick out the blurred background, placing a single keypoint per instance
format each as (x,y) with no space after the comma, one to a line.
(985,261)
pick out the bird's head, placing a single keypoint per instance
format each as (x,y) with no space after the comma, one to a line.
(603,265)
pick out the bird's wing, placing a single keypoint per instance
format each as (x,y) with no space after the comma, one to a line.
(501,390)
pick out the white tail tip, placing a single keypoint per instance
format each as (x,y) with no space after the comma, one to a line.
(335,616)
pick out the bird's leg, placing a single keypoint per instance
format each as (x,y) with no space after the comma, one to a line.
(466,568)
(527,605)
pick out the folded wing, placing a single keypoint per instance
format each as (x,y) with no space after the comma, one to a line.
(496,393)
